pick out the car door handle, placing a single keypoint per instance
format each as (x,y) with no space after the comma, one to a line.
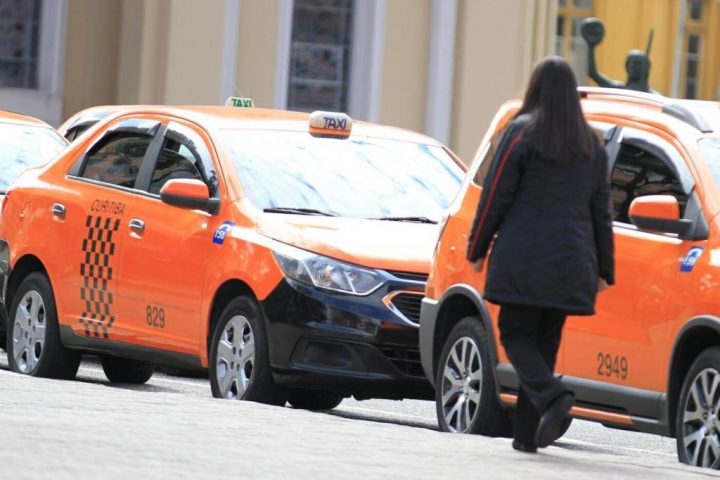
(137,225)
(58,209)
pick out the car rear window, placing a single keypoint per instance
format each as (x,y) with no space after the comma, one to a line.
(357,177)
(23,147)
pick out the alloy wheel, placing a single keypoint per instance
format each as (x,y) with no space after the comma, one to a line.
(461,385)
(29,332)
(235,358)
(701,420)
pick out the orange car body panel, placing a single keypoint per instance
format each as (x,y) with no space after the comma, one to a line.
(101,214)
(640,317)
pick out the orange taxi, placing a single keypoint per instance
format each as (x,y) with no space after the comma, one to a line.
(25,142)
(285,252)
(649,360)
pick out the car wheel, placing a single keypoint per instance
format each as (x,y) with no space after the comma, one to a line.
(465,394)
(34,346)
(697,421)
(125,370)
(239,359)
(3,328)
(313,399)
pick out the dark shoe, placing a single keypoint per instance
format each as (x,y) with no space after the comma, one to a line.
(523,448)
(552,420)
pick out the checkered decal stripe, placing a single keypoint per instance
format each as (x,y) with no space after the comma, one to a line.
(97,272)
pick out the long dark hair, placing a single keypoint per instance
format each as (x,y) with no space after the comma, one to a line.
(557,129)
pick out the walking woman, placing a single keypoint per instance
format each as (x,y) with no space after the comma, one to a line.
(547,197)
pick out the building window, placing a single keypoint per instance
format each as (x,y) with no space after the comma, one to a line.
(568,42)
(692,63)
(19,43)
(320,55)
(695,35)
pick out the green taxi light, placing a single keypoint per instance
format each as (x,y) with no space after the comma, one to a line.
(239,102)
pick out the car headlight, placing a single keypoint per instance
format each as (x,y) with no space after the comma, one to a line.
(324,272)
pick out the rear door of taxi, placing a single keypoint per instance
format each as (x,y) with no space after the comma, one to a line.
(165,254)
(89,226)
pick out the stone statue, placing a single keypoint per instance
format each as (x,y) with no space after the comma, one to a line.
(637,63)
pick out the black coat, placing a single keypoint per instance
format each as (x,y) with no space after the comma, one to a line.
(553,223)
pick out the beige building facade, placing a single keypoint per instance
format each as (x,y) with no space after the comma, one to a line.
(440,67)
(436,66)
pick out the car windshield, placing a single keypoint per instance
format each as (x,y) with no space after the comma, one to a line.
(710,148)
(358,177)
(23,147)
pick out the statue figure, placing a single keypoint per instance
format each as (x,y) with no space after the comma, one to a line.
(637,63)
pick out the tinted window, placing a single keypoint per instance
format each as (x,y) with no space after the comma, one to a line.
(359,177)
(76,131)
(117,158)
(175,161)
(637,173)
(23,147)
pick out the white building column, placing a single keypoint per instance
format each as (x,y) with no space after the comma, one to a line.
(441,69)
(228,87)
(366,68)
(282,62)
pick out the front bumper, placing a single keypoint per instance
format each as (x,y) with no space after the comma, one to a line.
(360,346)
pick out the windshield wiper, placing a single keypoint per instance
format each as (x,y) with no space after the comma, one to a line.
(299,211)
(407,219)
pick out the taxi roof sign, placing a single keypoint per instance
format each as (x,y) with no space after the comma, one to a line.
(330,124)
(239,102)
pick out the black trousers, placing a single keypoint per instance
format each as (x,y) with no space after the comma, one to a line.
(531,337)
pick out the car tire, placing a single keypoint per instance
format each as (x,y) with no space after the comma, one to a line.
(34,345)
(312,399)
(565,427)
(697,418)
(239,358)
(465,395)
(125,370)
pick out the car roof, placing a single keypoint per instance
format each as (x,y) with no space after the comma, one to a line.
(703,116)
(17,118)
(221,117)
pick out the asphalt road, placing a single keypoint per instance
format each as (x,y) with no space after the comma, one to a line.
(582,435)
(171,428)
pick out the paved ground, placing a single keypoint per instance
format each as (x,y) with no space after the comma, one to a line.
(85,429)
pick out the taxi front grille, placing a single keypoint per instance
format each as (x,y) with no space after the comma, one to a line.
(415,277)
(408,304)
(406,360)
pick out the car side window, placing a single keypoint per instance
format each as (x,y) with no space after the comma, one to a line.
(116,159)
(638,172)
(175,161)
(183,155)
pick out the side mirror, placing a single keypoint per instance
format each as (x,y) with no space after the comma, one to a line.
(660,213)
(189,193)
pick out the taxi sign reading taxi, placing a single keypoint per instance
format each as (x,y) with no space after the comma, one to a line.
(330,124)
(239,102)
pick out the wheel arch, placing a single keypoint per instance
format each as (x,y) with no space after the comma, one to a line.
(224,294)
(458,302)
(23,267)
(696,335)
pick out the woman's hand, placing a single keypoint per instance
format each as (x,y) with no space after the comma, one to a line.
(602,285)
(479,265)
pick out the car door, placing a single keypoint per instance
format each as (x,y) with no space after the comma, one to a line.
(164,258)
(625,343)
(89,227)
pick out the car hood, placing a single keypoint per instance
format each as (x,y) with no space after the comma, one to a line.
(386,245)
